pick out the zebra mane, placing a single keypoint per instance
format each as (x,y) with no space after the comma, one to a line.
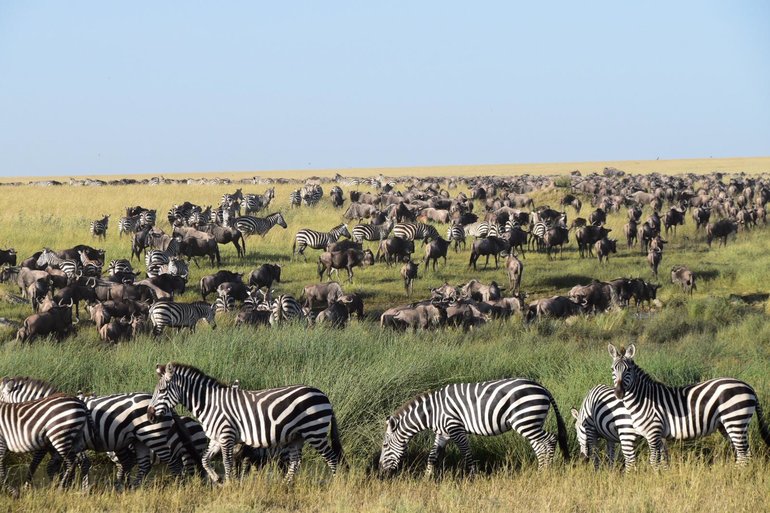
(404,407)
(642,375)
(30,382)
(189,370)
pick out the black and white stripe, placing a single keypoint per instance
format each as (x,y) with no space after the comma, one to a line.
(602,415)
(486,408)
(249,225)
(180,315)
(147,218)
(317,240)
(295,198)
(362,232)
(456,233)
(128,224)
(661,412)
(119,266)
(224,303)
(90,267)
(279,417)
(311,195)
(99,227)
(415,231)
(537,235)
(285,308)
(157,258)
(49,259)
(478,230)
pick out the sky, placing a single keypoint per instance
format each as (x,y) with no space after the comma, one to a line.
(173,87)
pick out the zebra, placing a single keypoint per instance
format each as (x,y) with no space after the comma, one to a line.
(295,198)
(249,225)
(118,423)
(251,204)
(602,415)
(362,232)
(127,224)
(69,267)
(456,233)
(180,315)
(413,231)
(317,240)
(537,235)
(312,194)
(486,408)
(147,218)
(663,412)
(286,308)
(477,230)
(224,303)
(99,227)
(286,416)
(155,258)
(57,423)
(90,267)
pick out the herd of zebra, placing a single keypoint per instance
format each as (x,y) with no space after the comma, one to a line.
(254,427)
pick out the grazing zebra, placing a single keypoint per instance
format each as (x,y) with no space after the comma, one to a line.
(414,231)
(128,224)
(285,308)
(456,234)
(118,423)
(249,225)
(295,198)
(56,423)
(99,227)
(662,412)
(312,194)
(478,230)
(49,259)
(180,315)
(317,240)
(602,415)
(286,416)
(362,232)
(487,408)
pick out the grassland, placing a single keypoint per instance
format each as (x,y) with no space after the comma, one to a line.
(721,330)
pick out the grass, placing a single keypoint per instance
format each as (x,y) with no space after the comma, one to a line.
(367,372)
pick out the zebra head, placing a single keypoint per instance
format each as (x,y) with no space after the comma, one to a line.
(585,431)
(393,445)
(623,369)
(280,221)
(167,392)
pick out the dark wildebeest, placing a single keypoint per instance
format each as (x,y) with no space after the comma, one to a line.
(234,289)
(654,257)
(624,289)
(227,235)
(643,291)
(73,253)
(265,275)
(647,233)
(635,213)
(196,244)
(514,268)
(359,211)
(486,247)
(404,214)
(209,284)
(57,320)
(578,223)
(572,201)
(597,296)
(420,317)
(477,291)
(336,315)
(517,238)
(409,274)
(630,229)
(446,292)
(598,217)
(115,330)
(673,218)
(37,291)
(395,249)
(587,236)
(685,278)
(8,256)
(720,230)
(344,245)
(434,250)
(323,293)
(555,237)
(76,293)
(167,283)
(343,260)
(354,304)
(605,247)
(556,306)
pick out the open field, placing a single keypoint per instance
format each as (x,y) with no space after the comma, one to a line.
(367,372)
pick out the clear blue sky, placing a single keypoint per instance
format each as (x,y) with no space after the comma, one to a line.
(161,86)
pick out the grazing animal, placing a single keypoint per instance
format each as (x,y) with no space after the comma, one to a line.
(180,315)
(265,275)
(409,274)
(720,230)
(419,316)
(395,249)
(285,308)
(287,416)
(56,321)
(661,412)
(556,307)
(434,250)
(209,284)
(654,257)
(514,269)
(323,293)
(343,260)
(602,415)
(336,315)
(317,240)
(354,304)
(685,278)
(487,408)
(488,246)
(99,227)
(604,248)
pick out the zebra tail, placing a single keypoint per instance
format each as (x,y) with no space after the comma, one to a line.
(763,428)
(562,429)
(189,446)
(336,443)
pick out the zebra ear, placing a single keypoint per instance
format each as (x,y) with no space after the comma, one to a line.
(612,350)
(574,413)
(630,351)
(392,423)
(160,370)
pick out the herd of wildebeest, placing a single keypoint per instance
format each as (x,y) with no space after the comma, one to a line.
(497,218)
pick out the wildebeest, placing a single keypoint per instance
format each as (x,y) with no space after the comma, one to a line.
(434,250)
(433,214)
(196,244)
(37,291)
(477,291)
(555,237)
(265,275)
(395,249)
(514,269)
(8,256)
(322,293)
(643,292)
(343,260)
(335,315)
(685,278)
(209,284)
(630,230)
(701,216)
(409,274)
(233,289)
(572,201)
(597,296)
(673,218)
(486,247)
(420,317)
(227,235)
(556,306)
(598,217)
(720,230)
(654,257)
(359,211)
(517,238)
(115,330)
(605,247)
(56,321)
(446,292)
(587,236)
(354,304)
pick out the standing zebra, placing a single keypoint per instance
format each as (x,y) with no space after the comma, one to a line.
(99,227)
(414,231)
(180,315)
(537,236)
(249,225)
(487,408)
(156,258)
(127,224)
(295,198)
(286,416)
(362,232)
(662,412)
(602,415)
(251,204)
(56,423)
(478,230)
(456,233)
(69,267)
(119,266)
(312,194)
(317,240)
(147,218)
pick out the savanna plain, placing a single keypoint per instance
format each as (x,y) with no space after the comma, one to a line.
(367,372)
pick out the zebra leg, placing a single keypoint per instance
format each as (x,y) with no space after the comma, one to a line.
(227,457)
(37,458)
(739,441)
(611,452)
(325,450)
(85,466)
(436,452)
(295,459)
(656,446)
(3,451)
(458,435)
(544,445)
(143,462)
(629,454)
(212,451)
